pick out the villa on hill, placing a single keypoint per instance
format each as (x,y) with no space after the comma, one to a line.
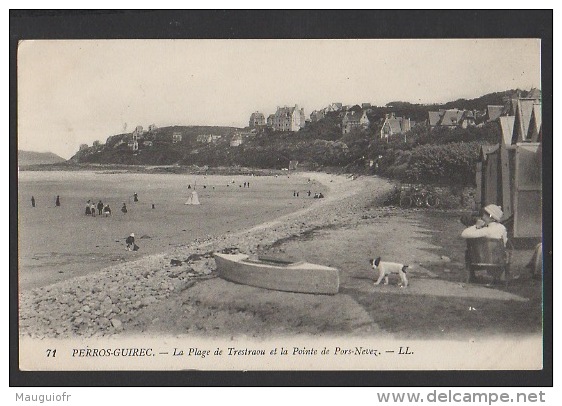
(257,119)
(354,120)
(287,119)
(239,137)
(393,125)
(451,118)
(317,115)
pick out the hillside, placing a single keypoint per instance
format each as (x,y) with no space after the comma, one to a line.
(326,142)
(161,146)
(38,158)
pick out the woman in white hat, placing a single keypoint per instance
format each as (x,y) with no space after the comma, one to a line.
(488,225)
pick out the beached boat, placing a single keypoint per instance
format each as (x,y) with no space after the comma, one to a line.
(275,274)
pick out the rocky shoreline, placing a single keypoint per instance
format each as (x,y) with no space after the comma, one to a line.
(106,302)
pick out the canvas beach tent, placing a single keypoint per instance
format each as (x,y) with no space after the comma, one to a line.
(193,198)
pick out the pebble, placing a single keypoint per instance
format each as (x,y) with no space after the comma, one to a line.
(116,323)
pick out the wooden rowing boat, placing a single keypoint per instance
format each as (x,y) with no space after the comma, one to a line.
(274,274)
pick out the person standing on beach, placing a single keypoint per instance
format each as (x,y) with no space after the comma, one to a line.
(57,201)
(135,197)
(100,207)
(88,210)
(124,208)
(32,201)
(130,241)
(93,209)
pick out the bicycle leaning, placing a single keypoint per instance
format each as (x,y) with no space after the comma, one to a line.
(418,197)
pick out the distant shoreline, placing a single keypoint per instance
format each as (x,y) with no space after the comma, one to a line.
(173,169)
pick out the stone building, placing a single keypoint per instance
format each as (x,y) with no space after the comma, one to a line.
(257,119)
(354,120)
(288,119)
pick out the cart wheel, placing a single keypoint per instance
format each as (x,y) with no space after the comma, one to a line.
(405,202)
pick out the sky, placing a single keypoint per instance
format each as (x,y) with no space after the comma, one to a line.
(73,92)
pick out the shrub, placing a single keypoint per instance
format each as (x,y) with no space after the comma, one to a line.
(453,163)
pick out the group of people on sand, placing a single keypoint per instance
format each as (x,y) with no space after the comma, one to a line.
(100,208)
(309,193)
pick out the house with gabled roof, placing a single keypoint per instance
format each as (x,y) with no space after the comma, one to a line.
(317,115)
(334,107)
(393,125)
(451,118)
(493,112)
(434,117)
(354,120)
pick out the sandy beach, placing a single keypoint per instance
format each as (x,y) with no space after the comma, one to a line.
(60,243)
(151,297)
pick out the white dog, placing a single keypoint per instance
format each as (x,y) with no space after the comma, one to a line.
(387,268)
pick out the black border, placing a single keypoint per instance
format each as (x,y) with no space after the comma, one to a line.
(285,24)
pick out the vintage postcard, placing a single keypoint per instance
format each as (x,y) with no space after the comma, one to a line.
(353,204)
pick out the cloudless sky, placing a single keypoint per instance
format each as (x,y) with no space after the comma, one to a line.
(74,91)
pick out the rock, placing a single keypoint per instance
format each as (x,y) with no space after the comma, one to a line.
(116,323)
(86,309)
(78,321)
(445,258)
(104,322)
